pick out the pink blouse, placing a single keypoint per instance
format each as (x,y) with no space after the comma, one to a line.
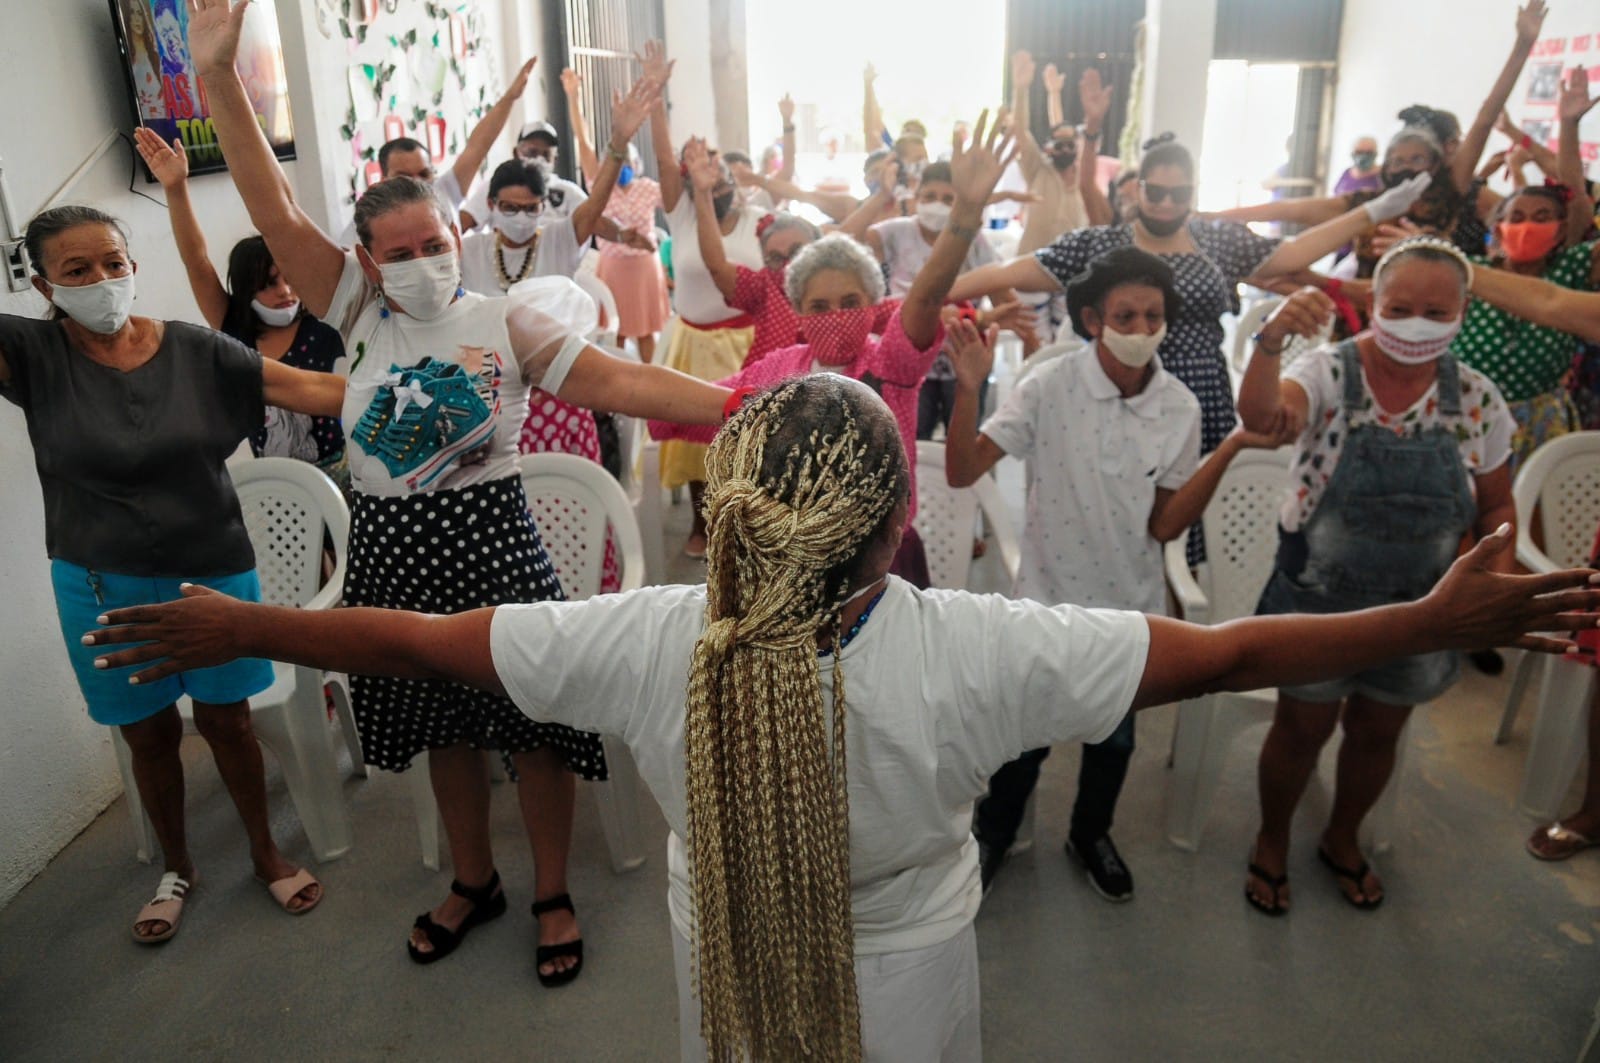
(633,208)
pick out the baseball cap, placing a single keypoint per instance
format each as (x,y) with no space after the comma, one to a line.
(539,129)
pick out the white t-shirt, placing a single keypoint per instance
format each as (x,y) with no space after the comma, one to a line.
(556,254)
(943,688)
(1485,427)
(473,333)
(1098,460)
(572,197)
(905,252)
(696,296)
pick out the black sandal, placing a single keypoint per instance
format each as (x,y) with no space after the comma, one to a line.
(1356,875)
(546,953)
(488,902)
(1275,883)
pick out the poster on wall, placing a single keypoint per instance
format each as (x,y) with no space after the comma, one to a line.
(1551,61)
(167,96)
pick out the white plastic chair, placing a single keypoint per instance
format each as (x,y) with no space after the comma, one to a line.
(1240,527)
(287,507)
(946,516)
(605,333)
(1047,354)
(1250,322)
(573,500)
(1561,482)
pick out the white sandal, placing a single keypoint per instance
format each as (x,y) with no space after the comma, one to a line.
(165,907)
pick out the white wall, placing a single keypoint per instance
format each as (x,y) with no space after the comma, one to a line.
(1178,44)
(688,41)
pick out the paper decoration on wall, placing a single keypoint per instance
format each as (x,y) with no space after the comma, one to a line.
(434,133)
(458,37)
(363,97)
(393,127)
(429,68)
(371,174)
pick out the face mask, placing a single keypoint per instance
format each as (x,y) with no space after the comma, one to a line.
(1159,228)
(516,228)
(1413,340)
(1132,349)
(1063,159)
(625,176)
(722,204)
(424,287)
(1365,160)
(1398,177)
(837,336)
(933,216)
(103,307)
(273,316)
(1529,241)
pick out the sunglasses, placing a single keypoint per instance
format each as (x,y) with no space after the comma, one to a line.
(1179,194)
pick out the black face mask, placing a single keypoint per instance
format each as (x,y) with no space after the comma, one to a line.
(1157,227)
(1396,177)
(1062,154)
(722,204)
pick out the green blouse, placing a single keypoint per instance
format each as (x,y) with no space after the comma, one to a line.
(1523,359)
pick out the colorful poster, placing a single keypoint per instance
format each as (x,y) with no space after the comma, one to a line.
(167,95)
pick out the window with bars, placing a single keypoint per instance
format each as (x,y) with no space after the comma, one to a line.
(598,39)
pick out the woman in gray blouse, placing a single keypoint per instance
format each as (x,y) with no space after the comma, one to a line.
(131,420)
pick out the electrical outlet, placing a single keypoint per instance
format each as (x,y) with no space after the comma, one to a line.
(16,265)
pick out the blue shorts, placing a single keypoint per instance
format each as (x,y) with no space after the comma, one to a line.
(82,596)
(1401,681)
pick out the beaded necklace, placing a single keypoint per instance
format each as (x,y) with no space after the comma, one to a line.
(855,628)
(506,280)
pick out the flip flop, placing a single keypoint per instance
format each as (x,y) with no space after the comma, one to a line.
(1355,875)
(1556,842)
(1275,882)
(286,889)
(165,907)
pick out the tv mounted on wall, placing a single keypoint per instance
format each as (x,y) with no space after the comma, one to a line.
(167,97)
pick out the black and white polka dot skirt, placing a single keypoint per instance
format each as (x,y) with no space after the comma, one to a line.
(450,552)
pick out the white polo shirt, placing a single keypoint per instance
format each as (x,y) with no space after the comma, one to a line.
(1098,459)
(942,688)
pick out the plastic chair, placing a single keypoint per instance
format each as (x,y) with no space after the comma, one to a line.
(1240,527)
(573,500)
(946,516)
(1560,484)
(605,334)
(1047,354)
(287,506)
(1250,322)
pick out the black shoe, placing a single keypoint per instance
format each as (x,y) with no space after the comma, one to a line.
(1489,662)
(989,860)
(1108,875)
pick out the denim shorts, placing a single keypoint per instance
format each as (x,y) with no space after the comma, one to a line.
(82,595)
(1401,681)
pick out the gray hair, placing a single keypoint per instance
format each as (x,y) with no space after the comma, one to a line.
(391,194)
(834,251)
(49,224)
(783,222)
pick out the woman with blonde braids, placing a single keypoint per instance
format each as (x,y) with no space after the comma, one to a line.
(822,877)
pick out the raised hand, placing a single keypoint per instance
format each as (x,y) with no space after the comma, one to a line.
(1475,606)
(1284,430)
(1054,80)
(654,61)
(786,110)
(971,351)
(1505,125)
(1575,101)
(1392,233)
(571,82)
(1095,98)
(1492,164)
(169,163)
(704,173)
(870,74)
(214,27)
(976,168)
(637,240)
(629,112)
(1393,202)
(519,83)
(1022,68)
(1530,17)
(1517,160)
(1305,313)
(889,179)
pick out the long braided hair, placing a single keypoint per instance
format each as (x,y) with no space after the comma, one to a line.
(798,484)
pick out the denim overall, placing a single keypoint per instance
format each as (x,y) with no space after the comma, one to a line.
(1387,527)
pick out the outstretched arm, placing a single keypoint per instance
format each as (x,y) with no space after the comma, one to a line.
(308,259)
(872,210)
(974,170)
(872,126)
(170,165)
(1268,404)
(786,112)
(302,390)
(1055,111)
(1174,512)
(656,67)
(1022,274)
(1540,302)
(968,453)
(1298,254)
(1575,103)
(1095,99)
(703,174)
(1472,607)
(627,115)
(483,136)
(1029,157)
(588,161)
(1530,17)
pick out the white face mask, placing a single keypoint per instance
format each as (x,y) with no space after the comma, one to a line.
(933,216)
(516,228)
(1413,340)
(275,316)
(103,307)
(1135,349)
(422,288)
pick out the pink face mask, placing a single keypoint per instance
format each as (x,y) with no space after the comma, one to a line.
(838,336)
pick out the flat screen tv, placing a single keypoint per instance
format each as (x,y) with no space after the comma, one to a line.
(167,97)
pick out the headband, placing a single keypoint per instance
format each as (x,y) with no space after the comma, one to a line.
(1418,132)
(1420,243)
(764,224)
(1560,190)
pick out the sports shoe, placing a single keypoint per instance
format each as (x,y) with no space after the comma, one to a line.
(1108,875)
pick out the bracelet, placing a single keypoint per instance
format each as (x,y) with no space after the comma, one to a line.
(789,128)
(1526,142)
(1263,348)
(611,151)
(1332,286)
(962,232)
(736,400)
(1087,135)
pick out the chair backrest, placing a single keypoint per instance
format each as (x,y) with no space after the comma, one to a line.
(287,506)
(947,517)
(1241,532)
(1250,321)
(572,500)
(606,332)
(1046,354)
(1561,479)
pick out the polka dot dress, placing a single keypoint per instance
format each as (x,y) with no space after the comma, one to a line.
(450,552)
(1208,282)
(556,427)
(1524,360)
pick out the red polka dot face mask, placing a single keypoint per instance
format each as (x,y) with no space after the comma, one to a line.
(838,336)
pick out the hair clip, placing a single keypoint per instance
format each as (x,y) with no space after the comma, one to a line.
(1561,190)
(764,224)
(1156,141)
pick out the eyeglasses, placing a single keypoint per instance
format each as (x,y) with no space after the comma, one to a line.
(778,260)
(513,208)
(1180,195)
